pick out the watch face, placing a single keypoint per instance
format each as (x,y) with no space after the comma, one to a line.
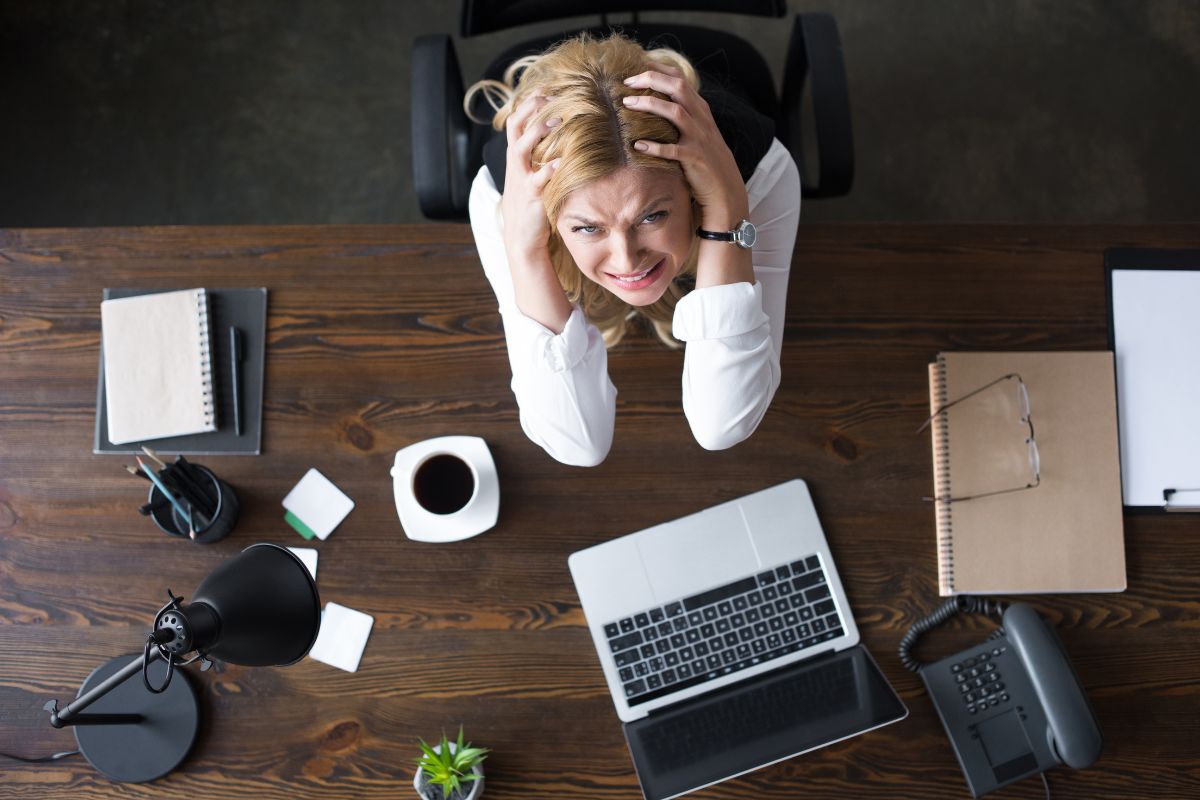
(746,234)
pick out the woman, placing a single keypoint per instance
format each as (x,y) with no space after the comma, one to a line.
(619,195)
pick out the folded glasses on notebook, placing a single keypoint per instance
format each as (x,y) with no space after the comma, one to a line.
(1025,419)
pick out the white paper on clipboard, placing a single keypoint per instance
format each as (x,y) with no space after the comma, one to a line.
(1156,341)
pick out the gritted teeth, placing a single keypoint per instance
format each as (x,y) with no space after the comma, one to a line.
(636,277)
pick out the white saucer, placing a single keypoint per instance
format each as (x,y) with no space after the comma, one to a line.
(478,515)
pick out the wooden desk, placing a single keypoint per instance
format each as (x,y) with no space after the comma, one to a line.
(383,336)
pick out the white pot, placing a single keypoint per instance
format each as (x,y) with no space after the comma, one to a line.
(475,787)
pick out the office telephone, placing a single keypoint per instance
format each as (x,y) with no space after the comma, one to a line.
(1012,706)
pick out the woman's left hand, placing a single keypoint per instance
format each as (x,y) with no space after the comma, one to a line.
(707,162)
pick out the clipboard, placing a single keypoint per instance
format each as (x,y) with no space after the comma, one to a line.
(1153,301)
(245,308)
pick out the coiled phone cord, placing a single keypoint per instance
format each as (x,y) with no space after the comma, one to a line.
(959,604)
(40,759)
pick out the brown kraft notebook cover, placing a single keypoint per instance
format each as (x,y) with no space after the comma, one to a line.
(1067,533)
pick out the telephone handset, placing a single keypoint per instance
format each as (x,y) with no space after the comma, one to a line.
(1012,706)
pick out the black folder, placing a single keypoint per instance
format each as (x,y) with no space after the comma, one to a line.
(246,309)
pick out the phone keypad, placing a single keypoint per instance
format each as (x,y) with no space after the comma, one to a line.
(979,681)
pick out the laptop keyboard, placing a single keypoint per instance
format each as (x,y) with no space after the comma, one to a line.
(759,618)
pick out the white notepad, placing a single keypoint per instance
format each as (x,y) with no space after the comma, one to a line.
(157,370)
(1156,332)
(317,504)
(342,638)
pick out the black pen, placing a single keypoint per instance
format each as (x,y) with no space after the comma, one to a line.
(198,480)
(183,483)
(235,368)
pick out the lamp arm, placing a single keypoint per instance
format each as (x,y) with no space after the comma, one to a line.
(71,716)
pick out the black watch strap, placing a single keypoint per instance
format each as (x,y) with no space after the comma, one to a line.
(744,235)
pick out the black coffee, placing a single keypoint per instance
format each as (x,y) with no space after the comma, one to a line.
(443,484)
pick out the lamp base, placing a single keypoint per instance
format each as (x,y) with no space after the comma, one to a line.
(151,748)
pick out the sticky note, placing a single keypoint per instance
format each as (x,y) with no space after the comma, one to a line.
(342,638)
(315,506)
(309,556)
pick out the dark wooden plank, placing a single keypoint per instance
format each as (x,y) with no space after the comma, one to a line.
(383,336)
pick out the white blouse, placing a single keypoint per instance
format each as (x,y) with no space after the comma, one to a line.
(732,334)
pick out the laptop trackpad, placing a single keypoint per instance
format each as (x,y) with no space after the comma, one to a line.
(767,719)
(694,554)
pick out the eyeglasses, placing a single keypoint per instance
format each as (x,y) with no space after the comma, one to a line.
(1035,461)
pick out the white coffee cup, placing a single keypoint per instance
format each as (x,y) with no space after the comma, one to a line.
(446,489)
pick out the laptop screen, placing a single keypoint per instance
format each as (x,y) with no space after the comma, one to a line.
(775,716)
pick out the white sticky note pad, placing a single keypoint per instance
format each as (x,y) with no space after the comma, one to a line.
(343,637)
(309,556)
(318,503)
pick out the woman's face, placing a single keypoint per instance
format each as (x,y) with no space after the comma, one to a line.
(630,232)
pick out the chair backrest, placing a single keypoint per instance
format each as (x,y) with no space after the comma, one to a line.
(746,130)
(448,149)
(735,80)
(729,60)
(485,16)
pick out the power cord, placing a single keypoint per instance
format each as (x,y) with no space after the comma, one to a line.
(959,604)
(41,759)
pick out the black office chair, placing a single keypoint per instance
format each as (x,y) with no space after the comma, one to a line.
(448,147)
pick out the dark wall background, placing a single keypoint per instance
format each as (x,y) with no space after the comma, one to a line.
(119,112)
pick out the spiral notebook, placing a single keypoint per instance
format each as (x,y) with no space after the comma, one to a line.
(1067,533)
(157,360)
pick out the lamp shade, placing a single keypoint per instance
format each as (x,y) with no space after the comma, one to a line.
(266,606)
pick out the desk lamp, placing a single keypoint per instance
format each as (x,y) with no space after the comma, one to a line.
(260,608)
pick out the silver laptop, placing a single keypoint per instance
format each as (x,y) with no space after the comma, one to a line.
(727,641)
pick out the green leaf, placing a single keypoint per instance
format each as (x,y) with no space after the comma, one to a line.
(470,756)
(430,753)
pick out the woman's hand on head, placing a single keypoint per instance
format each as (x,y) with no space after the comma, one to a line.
(707,162)
(536,289)
(526,229)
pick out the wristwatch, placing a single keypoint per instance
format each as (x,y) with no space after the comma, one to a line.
(743,235)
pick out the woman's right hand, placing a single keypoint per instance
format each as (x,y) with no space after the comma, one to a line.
(526,229)
(536,289)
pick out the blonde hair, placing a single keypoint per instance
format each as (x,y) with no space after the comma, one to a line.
(583,79)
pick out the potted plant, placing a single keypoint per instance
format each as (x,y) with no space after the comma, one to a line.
(450,770)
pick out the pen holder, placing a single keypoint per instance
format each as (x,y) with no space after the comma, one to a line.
(170,521)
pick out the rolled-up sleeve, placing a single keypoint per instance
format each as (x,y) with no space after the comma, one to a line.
(733,334)
(566,400)
(729,374)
